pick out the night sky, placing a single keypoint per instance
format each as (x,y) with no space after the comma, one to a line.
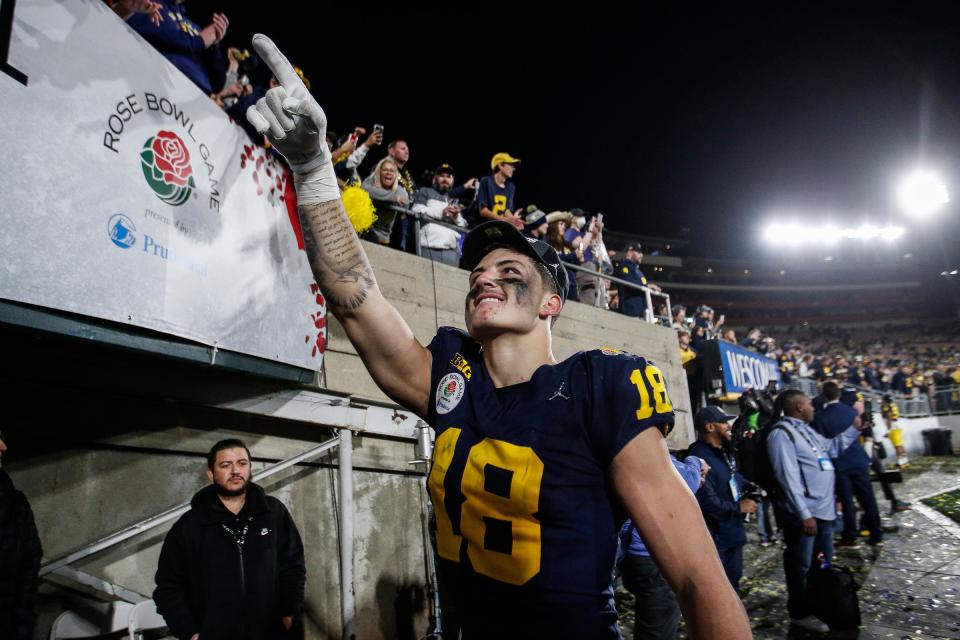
(684,122)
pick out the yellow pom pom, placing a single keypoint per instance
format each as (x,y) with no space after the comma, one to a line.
(359,208)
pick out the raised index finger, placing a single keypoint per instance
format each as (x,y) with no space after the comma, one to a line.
(279,65)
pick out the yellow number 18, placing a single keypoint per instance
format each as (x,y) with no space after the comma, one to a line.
(657,387)
(501,491)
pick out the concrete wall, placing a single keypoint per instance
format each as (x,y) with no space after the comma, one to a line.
(130,469)
(913,429)
(429,295)
(952,423)
(102,439)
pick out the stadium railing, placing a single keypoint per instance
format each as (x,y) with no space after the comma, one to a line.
(649,294)
(944,400)
(807,385)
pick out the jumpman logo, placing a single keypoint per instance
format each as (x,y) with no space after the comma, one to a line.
(559,393)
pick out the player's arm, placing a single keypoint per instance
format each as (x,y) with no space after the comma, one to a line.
(669,521)
(296,125)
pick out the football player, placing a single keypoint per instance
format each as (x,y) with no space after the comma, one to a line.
(535,460)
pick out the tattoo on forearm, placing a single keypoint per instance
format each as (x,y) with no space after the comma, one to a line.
(336,256)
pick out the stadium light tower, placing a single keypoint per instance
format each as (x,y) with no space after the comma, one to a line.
(921,193)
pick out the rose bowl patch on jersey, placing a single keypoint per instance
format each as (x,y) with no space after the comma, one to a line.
(449,392)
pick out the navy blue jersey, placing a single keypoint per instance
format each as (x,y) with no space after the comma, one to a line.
(494,197)
(526,522)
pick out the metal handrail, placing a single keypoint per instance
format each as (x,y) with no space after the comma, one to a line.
(421,218)
(159,519)
(910,406)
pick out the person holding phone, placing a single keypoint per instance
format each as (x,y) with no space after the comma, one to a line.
(439,243)
(359,153)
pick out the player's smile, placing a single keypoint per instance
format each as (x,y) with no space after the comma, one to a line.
(489,302)
(497,281)
(489,296)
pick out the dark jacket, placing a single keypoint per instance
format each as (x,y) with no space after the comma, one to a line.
(209,584)
(632,302)
(832,420)
(178,38)
(720,510)
(20,555)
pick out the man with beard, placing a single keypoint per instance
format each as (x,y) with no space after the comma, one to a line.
(535,460)
(721,498)
(232,566)
(439,243)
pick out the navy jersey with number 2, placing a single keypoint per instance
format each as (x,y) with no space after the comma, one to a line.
(526,520)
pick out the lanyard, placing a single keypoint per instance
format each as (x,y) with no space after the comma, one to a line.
(802,432)
(731,463)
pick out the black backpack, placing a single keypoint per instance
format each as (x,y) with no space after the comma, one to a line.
(832,594)
(763,468)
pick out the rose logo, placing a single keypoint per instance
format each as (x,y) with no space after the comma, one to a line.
(166,166)
(451,388)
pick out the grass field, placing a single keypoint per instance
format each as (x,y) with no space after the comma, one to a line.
(947,503)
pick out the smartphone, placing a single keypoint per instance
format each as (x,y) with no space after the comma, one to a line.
(378,128)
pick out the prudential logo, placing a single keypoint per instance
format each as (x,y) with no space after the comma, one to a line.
(121,229)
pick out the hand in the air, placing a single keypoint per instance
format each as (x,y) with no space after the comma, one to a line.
(288,115)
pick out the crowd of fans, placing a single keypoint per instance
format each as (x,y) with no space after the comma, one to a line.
(905,361)
(236,79)
(901,359)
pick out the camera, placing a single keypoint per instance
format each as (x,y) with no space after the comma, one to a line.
(867,416)
(753,492)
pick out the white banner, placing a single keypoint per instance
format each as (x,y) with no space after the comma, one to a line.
(129,196)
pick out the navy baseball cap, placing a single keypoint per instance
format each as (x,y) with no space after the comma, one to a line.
(534,218)
(711,414)
(483,238)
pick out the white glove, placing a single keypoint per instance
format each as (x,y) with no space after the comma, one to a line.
(295,124)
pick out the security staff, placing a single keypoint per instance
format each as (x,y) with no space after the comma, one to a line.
(633,301)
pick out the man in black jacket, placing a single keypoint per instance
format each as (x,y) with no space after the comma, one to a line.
(232,566)
(721,496)
(20,555)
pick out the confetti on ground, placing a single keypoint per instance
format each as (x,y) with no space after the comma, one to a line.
(910,587)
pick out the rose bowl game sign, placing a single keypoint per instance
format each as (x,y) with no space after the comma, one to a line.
(128,195)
